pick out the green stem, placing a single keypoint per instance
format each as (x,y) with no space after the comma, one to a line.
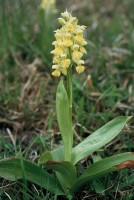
(69,92)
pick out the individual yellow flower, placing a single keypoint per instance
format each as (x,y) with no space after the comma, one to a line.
(83,43)
(83,50)
(76,55)
(58,43)
(56,59)
(56,73)
(80,68)
(57,51)
(67,42)
(65,63)
(79,37)
(58,35)
(69,27)
(64,71)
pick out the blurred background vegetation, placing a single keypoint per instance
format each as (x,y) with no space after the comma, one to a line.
(27,89)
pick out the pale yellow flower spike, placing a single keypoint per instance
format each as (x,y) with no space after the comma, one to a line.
(69,46)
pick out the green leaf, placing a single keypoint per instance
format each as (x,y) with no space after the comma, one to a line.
(64,121)
(99,138)
(66,173)
(45,157)
(58,154)
(100,168)
(11,169)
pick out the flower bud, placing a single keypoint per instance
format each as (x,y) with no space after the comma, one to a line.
(61,21)
(65,15)
(73,20)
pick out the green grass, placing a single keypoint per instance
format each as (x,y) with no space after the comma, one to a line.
(104,91)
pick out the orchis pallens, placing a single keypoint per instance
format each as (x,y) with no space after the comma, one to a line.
(69,46)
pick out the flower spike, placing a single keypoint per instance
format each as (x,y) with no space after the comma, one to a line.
(69,46)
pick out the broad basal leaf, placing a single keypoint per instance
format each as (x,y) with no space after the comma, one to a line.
(12,169)
(65,171)
(99,138)
(100,168)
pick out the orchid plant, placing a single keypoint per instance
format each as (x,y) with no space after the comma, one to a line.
(69,48)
